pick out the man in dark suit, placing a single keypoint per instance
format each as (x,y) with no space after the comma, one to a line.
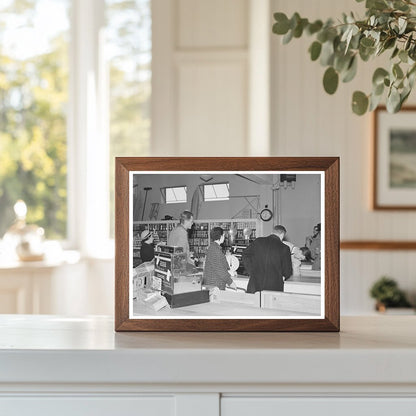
(267,259)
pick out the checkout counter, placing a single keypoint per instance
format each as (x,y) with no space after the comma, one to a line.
(185,295)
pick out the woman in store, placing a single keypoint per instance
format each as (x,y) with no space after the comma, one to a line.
(147,251)
(216,270)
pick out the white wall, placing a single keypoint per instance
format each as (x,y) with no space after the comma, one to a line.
(203,85)
(300,208)
(308,122)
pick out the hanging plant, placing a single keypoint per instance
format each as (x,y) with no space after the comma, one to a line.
(388,27)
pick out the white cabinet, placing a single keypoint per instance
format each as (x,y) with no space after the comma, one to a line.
(80,366)
(88,406)
(323,406)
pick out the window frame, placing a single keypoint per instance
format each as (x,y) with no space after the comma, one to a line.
(163,193)
(217,199)
(87,131)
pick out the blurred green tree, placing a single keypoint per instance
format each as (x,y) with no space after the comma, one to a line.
(33,98)
(34,101)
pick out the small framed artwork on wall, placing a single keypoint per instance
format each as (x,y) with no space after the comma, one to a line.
(227,244)
(394,150)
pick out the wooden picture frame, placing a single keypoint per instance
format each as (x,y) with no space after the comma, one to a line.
(394,155)
(326,168)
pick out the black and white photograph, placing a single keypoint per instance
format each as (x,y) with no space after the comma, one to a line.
(226,245)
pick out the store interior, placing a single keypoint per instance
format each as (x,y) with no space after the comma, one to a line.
(252,207)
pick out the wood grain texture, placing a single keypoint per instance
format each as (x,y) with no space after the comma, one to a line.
(121,244)
(378,245)
(332,226)
(329,165)
(376,205)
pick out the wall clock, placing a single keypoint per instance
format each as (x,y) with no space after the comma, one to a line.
(266,214)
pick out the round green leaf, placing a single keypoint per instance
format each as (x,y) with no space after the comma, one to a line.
(403,96)
(376,4)
(342,61)
(314,27)
(288,37)
(351,71)
(365,53)
(397,71)
(315,50)
(393,101)
(281,26)
(395,52)
(322,36)
(379,75)
(298,30)
(367,42)
(359,103)
(330,80)
(403,55)
(389,43)
(327,54)
(374,102)
(378,90)
(294,20)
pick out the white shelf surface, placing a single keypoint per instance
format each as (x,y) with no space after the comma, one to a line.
(53,349)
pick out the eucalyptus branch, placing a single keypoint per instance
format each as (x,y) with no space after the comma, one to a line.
(388,26)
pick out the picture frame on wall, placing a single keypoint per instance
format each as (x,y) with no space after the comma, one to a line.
(394,152)
(195,250)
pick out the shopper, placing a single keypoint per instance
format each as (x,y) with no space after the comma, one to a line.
(216,270)
(267,259)
(147,250)
(179,235)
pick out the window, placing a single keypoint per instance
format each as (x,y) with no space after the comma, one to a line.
(174,195)
(59,134)
(129,56)
(33,102)
(217,192)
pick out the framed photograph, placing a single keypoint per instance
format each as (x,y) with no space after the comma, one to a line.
(394,179)
(227,244)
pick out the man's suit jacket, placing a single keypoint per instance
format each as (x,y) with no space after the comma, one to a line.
(267,260)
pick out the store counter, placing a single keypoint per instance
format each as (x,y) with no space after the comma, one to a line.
(308,283)
(222,308)
(232,302)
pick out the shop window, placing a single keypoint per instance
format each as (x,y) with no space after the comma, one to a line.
(174,195)
(217,192)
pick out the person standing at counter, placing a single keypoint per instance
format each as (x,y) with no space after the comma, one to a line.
(147,251)
(216,270)
(179,235)
(313,242)
(297,256)
(268,261)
